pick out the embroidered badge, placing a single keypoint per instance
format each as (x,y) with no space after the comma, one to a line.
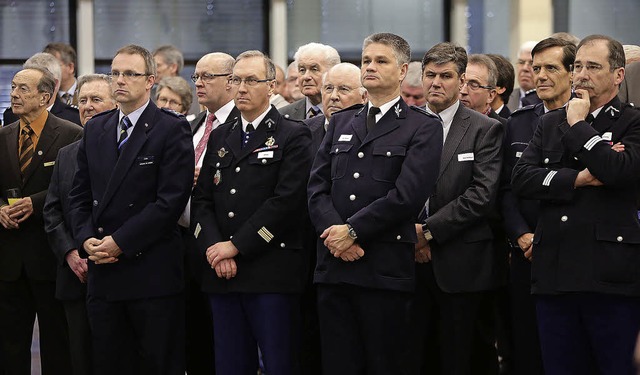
(222,152)
(397,109)
(270,142)
(217,177)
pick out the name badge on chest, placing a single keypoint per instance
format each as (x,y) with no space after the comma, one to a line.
(345,137)
(265,155)
(466,157)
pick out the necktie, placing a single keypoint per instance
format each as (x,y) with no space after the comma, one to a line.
(313,111)
(371,117)
(205,138)
(66,98)
(124,135)
(589,119)
(247,134)
(250,128)
(26,150)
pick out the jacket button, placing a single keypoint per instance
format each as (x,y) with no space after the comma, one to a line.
(100,230)
(360,154)
(237,169)
(388,153)
(352,197)
(337,149)
(264,161)
(564,218)
(232,191)
(282,244)
(356,175)
(546,160)
(619,238)
(231,214)
(217,165)
(399,237)
(95,203)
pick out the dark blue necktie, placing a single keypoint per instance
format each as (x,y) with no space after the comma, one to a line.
(125,124)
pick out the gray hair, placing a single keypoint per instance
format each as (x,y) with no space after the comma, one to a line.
(95,78)
(45,61)
(631,53)
(331,55)
(270,68)
(46,83)
(414,74)
(171,55)
(352,69)
(180,86)
(400,47)
(484,60)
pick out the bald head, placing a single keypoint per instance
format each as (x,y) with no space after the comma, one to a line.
(342,88)
(212,88)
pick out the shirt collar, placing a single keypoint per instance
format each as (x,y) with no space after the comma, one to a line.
(308,105)
(447,114)
(71,90)
(385,107)
(223,113)
(38,124)
(255,122)
(133,116)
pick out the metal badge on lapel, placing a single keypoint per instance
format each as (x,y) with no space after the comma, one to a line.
(222,152)
(611,110)
(270,142)
(217,177)
(398,110)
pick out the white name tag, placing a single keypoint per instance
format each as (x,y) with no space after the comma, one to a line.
(466,157)
(49,163)
(518,154)
(265,155)
(345,137)
(197,231)
(607,136)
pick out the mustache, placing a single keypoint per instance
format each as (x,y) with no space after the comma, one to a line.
(583,85)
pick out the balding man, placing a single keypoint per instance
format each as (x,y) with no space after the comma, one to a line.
(292,93)
(313,60)
(66,55)
(94,96)
(54,105)
(411,89)
(526,93)
(341,88)
(27,264)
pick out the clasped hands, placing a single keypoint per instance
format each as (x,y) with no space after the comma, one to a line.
(340,245)
(423,250)
(102,251)
(220,257)
(12,215)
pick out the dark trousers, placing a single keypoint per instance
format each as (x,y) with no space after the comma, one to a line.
(244,322)
(587,333)
(142,336)
(20,301)
(79,336)
(527,359)
(364,331)
(465,326)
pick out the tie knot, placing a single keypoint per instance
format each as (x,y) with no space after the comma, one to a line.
(126,123)
(374,111)
(211,118)
(250,128)
(590,118)
(27,130)
(314,111)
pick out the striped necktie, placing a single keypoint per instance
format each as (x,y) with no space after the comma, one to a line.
(125,124)
(26,150)
(313,111)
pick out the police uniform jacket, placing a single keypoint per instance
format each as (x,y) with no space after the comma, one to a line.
(377,182)
(587,238)
(137,198)
(254,195)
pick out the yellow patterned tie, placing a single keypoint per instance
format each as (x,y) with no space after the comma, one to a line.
(26,150)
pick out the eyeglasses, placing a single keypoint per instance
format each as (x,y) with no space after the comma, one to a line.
(207,77)
(591,68)
(236,81)
(474,85)
(525,62)
(126,74)
(162,101)
(342,90)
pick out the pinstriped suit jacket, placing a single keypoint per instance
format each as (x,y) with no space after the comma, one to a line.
(463,256)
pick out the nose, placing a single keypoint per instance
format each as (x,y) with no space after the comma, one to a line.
(464,89)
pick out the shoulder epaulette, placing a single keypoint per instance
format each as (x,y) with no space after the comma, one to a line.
(172,112)
(104,113)
(523,109)
(351,108)
(424,111)
(72,106)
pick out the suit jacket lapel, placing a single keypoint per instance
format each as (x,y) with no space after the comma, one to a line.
(12,150)
(359,124)
(387,124)
(608,116)
(458,128)
(47,138)
(129,152)
(198,121)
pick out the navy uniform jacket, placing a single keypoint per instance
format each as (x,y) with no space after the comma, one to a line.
(136,198)
(26,249)
(377,181)
(57,222)
(255,197)
(588,238)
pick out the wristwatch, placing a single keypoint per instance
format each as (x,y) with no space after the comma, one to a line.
(352,232)
(427,232)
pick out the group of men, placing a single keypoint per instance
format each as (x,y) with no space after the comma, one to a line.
(351,232)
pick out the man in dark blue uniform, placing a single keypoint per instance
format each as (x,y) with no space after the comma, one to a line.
(249,220)
(586,252)
(552,59)
(375,168)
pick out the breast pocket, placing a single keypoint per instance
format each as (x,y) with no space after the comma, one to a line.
(264,166)
(387,162)
(339,159)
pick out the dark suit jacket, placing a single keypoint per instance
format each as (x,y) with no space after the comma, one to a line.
(630,87)
(530,98)
(256,199)
(496,116)
(588,238)
(296,110)
(137,199)
(316,125)
(462,250)
(59,109)
(27,247)
(57,222)
(505,112)
(200,118)
(376,181)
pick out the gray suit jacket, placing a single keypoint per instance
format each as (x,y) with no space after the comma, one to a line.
(462,249)
(514,99)
(296,110)
(630,88)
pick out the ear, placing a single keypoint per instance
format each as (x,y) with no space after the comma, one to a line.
(174,68)
(618,76)
(45,98)
(272,86)
(492,95)
(403,71)
(500,90)
(151,80)
(462,79)
(365,96)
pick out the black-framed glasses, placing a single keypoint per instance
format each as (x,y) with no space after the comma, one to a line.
(236,81)
(207,77)
(474,85)
(127,74)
